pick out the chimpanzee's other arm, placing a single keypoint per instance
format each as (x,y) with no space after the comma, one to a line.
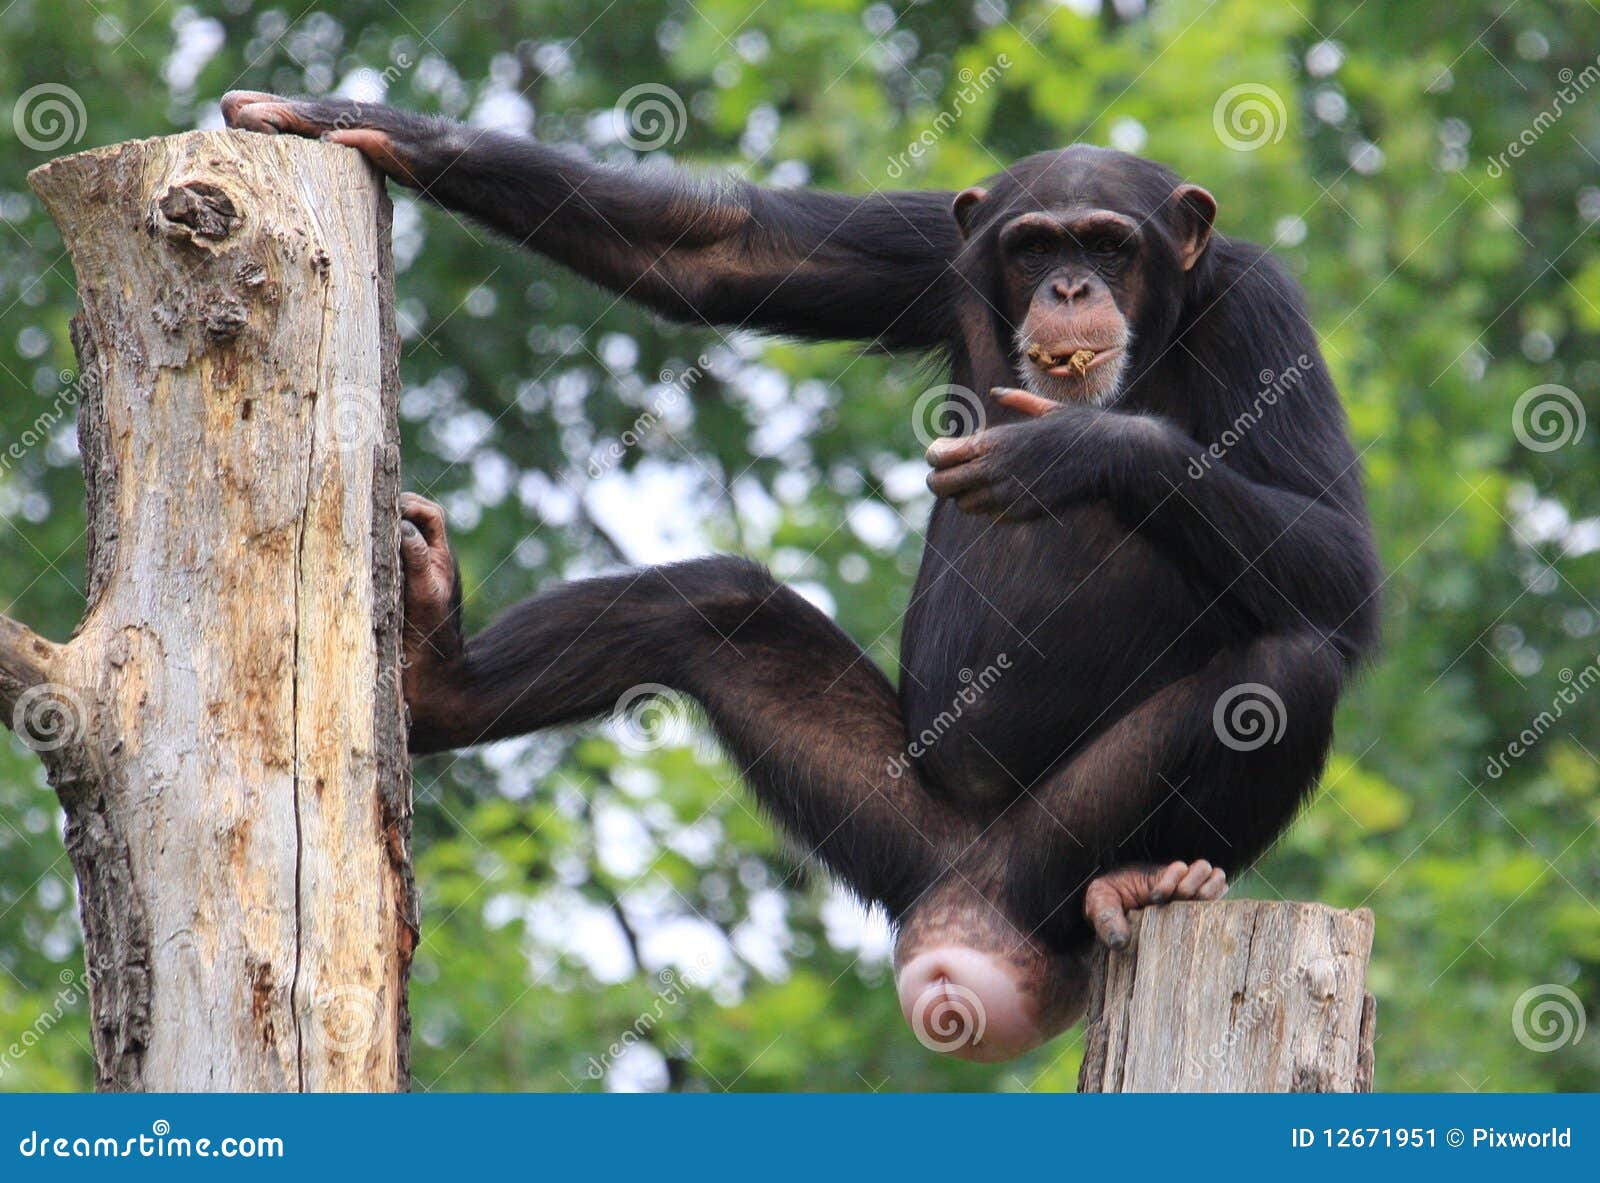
(811,264)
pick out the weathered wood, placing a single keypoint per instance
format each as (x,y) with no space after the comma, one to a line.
(1236,996)
(225,729)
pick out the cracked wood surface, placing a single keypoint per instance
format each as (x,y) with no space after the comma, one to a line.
(229,742)
(1233,996)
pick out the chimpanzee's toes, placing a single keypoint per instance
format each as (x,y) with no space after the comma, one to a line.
(1215,887)
(1106,908)
(413,547)
(425,553)
(1194,879)
(1166,881)
(426,516)
(1111,897)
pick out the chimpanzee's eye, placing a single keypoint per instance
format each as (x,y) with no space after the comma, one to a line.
(1037,246)
(1104,245)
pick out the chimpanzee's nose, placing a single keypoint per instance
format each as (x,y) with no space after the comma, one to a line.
(1069,289)
(967,1004)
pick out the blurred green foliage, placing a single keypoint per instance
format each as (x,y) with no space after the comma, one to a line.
(597,917)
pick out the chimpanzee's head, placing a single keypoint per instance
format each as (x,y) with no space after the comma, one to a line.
(1086,255)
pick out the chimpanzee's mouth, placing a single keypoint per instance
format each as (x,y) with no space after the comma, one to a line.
(1070,362)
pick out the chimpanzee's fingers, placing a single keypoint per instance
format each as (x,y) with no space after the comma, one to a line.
(378,147)
(1199,871)
(271,115)
(954,481)
(956,449)
(1103,909)
(236,100)
(1215,887)
(426,517)
(254,111)
(1166,882)
(1024,400)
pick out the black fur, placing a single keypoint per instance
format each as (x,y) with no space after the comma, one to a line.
(1145,579)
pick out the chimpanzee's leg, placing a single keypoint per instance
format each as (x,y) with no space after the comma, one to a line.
(1211,767)
(813,724)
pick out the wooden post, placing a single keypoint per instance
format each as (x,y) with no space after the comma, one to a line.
(1237,996)
(225,728)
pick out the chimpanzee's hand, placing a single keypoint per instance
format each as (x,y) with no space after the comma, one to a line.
(413,149)
(1023,470)
(432,642)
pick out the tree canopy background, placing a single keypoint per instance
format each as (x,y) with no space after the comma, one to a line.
(603,908)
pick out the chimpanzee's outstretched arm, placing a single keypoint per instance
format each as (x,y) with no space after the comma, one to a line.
(814,726)
(1212,766)
(810,264)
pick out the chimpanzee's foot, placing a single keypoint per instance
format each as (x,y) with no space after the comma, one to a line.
(1111,897)
(386,137)
(430,587)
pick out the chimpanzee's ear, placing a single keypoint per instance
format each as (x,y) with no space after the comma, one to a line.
(965,203)
(1194,210)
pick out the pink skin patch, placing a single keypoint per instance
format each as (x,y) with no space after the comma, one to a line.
(968,1005)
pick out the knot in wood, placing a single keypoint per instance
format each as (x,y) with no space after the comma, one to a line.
(195,211)
(1322,979)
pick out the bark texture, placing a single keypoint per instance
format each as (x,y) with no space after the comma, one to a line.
(225,728)
(1238,996)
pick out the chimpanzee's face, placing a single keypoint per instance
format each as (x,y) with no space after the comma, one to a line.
(1071,277)
(1087,246)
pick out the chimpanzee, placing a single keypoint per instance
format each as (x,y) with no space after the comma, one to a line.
(1159,544)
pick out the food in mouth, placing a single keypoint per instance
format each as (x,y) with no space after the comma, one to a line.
(1079,359)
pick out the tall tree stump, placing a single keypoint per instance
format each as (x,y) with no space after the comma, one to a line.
(225,728)
(1237,996)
